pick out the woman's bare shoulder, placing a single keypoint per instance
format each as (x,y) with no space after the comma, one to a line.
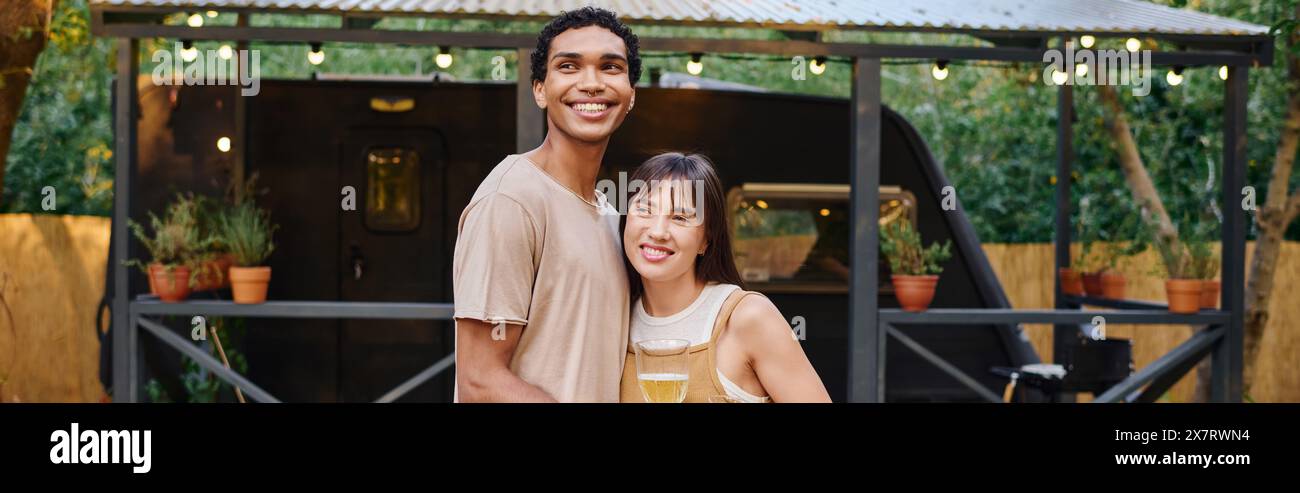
(757,320)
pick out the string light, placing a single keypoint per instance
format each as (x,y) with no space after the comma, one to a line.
(1059,77)
(1133,44)
(188,51)
(1087,41)
(1175,75)
(444,58)
(316,55)
(940,70)
(818,65)
(225,52)
(695,66)
(195,20)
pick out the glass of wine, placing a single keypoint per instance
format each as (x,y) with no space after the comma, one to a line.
(663,369)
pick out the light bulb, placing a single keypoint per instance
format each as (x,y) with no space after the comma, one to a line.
(212,13)
(1223,72)
(195,20)
(1059,77)
(1087,41)
(1081,70)
(1133,44)
(223,144)
(817,66)
(189,52)
(316,55)
(225,52)
(443,59)
(1173,78)
(695,66)
(939,72)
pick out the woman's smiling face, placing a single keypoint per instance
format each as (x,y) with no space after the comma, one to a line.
(664,233)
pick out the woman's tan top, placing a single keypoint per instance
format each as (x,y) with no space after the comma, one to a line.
(704,382)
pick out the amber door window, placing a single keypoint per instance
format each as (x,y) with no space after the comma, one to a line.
(392,189)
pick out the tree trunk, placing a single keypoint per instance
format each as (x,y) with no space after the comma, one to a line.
(1135,172)
(1279,210)
(25,24)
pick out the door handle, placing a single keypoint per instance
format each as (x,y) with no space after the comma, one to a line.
(358,263)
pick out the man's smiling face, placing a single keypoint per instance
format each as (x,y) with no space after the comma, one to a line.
(587,91)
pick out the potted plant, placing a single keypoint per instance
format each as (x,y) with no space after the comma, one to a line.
(1089,261)
(1182,290)
(174,248)
(1113,281)
(1090,267)
(1072,276)
(214,263)
(1109,282)
(1126,239)
(246,232)
(1204,266)
(915,269)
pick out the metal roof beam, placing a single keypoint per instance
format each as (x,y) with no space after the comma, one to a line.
(687,45)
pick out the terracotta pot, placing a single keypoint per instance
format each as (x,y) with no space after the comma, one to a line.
(1092,284)
(914,292)
(215,273)
(248,284)
(1071,281)
(1210,294)
(172,285)
(1112,285)
(1184,295)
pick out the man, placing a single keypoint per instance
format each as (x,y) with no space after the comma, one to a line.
(540,291)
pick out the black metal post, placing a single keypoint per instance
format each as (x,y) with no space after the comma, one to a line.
(530,121)
(1226,360)
(1062,237)
(124,127)
(866,339)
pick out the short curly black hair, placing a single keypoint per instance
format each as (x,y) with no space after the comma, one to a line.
(586,16)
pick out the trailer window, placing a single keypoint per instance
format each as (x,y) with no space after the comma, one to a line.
(795,238)
(392,189)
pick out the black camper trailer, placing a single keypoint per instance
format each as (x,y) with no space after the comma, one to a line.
(307,140)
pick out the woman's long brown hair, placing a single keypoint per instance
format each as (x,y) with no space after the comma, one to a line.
(717,264)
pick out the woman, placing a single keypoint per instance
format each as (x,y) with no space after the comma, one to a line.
(684,285)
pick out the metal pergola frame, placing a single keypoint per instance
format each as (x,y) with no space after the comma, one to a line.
(1221,336)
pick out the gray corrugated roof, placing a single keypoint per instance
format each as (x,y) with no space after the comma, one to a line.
(1072,16)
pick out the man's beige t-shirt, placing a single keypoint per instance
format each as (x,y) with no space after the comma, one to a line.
(530,251)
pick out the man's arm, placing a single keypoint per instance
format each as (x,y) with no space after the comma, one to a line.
(483,364)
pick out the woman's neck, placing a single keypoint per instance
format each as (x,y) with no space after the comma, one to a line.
(665,298)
